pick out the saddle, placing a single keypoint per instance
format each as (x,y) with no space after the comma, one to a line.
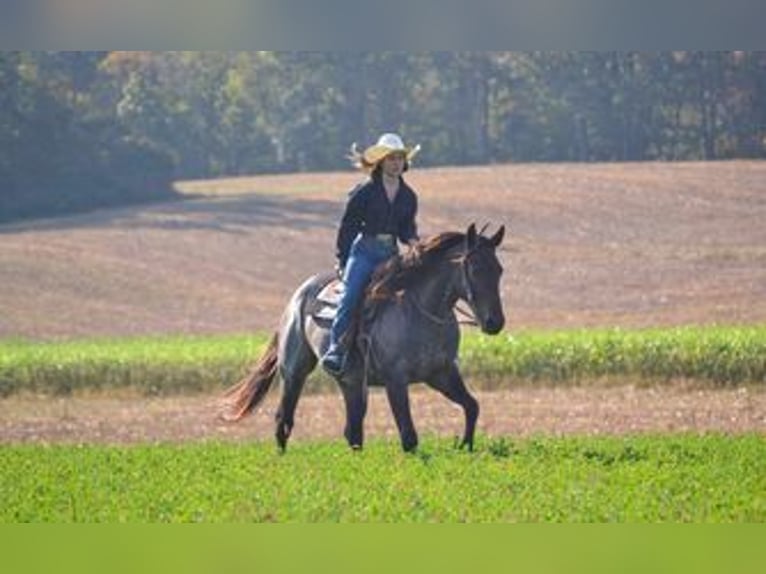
(328,300)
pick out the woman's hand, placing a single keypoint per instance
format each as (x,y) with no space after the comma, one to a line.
(414,252)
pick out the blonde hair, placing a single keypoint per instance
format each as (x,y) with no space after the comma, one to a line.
(356,158)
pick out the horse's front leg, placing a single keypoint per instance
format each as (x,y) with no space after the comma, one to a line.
(399,400)
(355,397)
(450,384)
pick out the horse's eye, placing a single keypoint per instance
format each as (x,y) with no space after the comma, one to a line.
(479,265)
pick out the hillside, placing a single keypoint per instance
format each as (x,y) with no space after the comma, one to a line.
(612,244)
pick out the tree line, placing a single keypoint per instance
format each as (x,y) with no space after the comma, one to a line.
(92,128)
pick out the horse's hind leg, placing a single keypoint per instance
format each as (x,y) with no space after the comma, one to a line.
(286,411)
(451,385)
(297,366)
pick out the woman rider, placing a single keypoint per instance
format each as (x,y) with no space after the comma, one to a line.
(379,212)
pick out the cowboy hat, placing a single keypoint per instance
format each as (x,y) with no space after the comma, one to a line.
(387,144)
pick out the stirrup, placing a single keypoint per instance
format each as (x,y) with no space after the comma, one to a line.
(334,361)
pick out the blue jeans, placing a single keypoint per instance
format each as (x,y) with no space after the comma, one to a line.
(365,255)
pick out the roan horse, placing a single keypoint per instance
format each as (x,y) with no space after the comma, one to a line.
(409,334)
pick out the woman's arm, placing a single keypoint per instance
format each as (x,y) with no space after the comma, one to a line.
(351,223)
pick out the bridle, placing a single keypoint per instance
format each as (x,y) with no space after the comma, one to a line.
(470,316)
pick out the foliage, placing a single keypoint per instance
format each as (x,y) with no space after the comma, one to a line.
(58,152)
(721,355)
(709,478)
(151,366)
(161,366)
(95,128)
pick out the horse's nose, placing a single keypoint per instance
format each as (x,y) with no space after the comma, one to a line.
(494,325)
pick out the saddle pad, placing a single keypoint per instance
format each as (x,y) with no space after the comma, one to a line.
(328,300)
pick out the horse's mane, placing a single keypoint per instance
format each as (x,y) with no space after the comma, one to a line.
(398,273)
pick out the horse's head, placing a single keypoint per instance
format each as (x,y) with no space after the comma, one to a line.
(481,279)
(466,261)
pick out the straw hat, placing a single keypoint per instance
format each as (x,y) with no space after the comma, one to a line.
(387,144)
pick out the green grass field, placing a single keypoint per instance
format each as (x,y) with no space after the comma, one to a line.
(166,365)
(711,478)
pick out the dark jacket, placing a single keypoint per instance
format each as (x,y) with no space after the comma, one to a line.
(369,212)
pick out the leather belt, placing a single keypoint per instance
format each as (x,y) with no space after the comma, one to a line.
(383,237)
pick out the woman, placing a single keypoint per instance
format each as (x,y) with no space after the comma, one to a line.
(379,211)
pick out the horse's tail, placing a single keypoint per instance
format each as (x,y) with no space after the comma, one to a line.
(244,396)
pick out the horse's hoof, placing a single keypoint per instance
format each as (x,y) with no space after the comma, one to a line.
(464,444)
(410,448)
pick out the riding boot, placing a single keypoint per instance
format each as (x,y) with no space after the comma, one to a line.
(334,360)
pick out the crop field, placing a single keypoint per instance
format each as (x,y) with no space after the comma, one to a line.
(719,356)
(627,387)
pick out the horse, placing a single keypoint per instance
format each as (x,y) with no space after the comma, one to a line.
(408,333)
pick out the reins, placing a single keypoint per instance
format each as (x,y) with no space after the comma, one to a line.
(469,318)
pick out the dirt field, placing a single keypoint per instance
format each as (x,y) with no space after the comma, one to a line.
(624,244)
(629,245)
(521,412)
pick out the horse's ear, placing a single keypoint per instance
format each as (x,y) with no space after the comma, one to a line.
(497,238)
(470,236)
